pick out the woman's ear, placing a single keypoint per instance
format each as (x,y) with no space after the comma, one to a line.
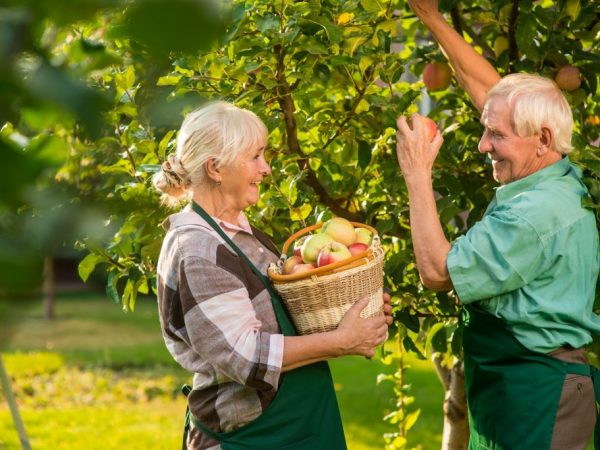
(212,170)
(545,141)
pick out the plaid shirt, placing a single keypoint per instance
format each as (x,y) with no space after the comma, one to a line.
(218,322)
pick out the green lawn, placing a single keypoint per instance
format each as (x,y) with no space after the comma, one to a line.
(97,378)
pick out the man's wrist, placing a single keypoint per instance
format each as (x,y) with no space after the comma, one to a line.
(418,177)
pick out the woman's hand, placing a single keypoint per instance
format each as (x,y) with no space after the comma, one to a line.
(358,336)
(387,308)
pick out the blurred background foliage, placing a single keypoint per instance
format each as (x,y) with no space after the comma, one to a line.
(93,91)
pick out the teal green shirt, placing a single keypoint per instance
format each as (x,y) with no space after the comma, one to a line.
(533,260)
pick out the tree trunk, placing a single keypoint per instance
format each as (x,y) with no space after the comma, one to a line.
(456,421)
(48,288)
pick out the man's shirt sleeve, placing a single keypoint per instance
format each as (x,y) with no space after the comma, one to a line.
(499,254)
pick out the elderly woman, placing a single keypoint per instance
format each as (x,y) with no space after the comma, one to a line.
(256,384)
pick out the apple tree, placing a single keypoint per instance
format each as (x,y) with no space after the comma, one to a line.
(95,95)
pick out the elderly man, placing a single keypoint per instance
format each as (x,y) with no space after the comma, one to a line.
(526,273)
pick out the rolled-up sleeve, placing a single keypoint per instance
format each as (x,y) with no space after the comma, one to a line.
(223,326)
(500,253)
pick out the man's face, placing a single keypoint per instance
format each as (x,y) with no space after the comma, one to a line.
(513,157)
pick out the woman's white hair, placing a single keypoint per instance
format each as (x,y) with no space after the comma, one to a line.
(218,130)
(536,102)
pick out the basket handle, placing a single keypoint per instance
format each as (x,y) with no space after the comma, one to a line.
(306,230)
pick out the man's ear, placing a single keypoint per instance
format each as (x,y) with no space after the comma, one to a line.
(212,170)
(545,141)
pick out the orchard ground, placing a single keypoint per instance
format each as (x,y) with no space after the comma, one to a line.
(98,378)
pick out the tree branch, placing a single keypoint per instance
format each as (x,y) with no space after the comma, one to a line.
(286,103)
(513,50)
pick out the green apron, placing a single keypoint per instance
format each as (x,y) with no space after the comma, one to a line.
(304,413)
(512,392)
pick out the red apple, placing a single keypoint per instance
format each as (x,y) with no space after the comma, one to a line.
(437,76)
(313,245)
(301,268)
(298,245)
(363,236)
(332,253)
(290,263)
(340,229)
(568,78)
(357,247)
(429,124)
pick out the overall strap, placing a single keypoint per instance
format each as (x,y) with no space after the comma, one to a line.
(283,319)
(596,380)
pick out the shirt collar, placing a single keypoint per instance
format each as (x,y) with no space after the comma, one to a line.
(244,225)
(189,217)
(559,168)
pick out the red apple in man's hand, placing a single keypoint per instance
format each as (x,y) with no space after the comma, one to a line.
(429,124)
(290,263)
(332,253)
(357,247)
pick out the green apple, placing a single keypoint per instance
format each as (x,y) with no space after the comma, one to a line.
(332,253)
(340,229)
(364,236)
(312,246)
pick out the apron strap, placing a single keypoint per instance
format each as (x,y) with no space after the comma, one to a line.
(596,380)
(185,390)
(283,319)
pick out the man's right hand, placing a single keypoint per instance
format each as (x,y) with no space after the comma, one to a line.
(416,154)
(424,8)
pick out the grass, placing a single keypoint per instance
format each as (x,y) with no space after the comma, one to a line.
(102,379)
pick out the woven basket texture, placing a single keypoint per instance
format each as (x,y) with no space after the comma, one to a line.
(318,303)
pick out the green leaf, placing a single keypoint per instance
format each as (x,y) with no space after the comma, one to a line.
(169,80)
(300,213)
(111,286)
(372,6)
(88,264)
(431,333)
(364,154)
(527,28)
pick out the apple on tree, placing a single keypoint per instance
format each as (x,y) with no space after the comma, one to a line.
(312,245)
(568,78)
(332,253)
(340,229)
(437,76)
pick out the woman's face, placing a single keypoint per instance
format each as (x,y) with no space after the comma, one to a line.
(240,181)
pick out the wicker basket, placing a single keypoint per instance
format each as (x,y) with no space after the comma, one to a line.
(318,299)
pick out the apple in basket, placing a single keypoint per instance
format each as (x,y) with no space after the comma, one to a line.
(332,253)
(298,246)
(290,264)
(358,247)
(340,229)
(313,245)
(364,236)
(301,268)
